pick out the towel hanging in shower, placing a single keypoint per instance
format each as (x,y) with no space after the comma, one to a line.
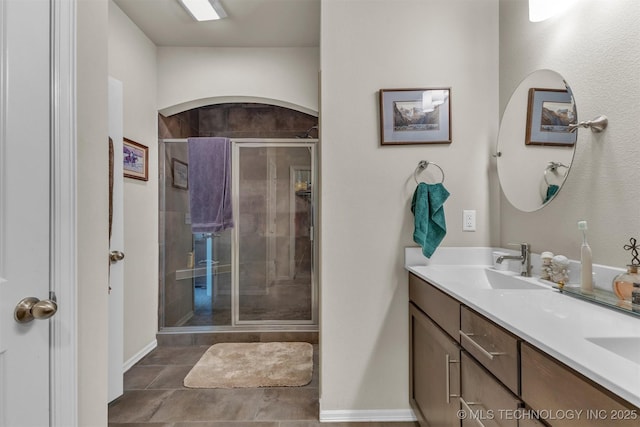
(210,184)
(427,206)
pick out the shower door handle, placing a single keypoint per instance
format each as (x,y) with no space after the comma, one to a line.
(115,256)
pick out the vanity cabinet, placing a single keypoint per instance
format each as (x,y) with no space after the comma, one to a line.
(566,398)
(460,360)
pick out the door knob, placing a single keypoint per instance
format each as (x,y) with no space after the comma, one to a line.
(32,308)
(115,256)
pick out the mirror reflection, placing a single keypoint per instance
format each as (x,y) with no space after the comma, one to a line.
(535,142)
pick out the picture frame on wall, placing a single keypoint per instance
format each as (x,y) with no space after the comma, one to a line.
(135,160)
(549,114)
(415,116)
(180,174)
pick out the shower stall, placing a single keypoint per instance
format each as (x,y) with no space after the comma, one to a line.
(258,275)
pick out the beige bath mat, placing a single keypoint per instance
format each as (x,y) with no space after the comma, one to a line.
(263,364)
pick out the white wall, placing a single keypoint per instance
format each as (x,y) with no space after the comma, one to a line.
(132,60)
(93,210)
(595,47)
(366,189)
(280,76)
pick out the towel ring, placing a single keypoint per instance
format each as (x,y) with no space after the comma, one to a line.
(422,166)
(553,167)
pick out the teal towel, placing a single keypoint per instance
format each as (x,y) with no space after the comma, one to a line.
(551,191)
(427,206)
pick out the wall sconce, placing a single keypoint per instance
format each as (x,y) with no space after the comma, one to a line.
(204,10)
(539,10)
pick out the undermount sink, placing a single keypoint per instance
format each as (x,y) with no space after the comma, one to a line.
(481,277)
(509,280)
(627,347)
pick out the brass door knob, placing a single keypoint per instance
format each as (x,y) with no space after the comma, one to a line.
(115,256)
(32,308)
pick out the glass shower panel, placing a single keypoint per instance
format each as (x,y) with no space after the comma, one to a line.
(211,279)
(195,276)
(274,234)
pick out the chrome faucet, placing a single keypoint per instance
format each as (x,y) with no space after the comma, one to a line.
(524,258)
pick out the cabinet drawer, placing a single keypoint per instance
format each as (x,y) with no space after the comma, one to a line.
(492,346)
(440,307)
(484,399)
(550,388)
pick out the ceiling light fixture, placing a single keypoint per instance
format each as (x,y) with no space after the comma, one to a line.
(204,10)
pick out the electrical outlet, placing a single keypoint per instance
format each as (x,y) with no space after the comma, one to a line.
(468,220)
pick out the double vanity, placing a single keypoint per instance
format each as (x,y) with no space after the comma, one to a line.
(489,347)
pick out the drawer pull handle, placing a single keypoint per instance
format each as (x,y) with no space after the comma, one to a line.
(470,413)
(448,362)
(488,354)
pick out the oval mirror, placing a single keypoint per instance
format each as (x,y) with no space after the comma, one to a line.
(535,147)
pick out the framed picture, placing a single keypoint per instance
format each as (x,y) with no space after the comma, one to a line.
(180,174)
(415,116)
(549,113)
(136,160)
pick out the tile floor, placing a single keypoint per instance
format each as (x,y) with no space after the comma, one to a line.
(155,397)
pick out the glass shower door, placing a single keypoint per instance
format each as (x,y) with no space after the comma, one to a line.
(274,253)
(195,276)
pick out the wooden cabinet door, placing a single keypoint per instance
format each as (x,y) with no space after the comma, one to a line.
(434,372)
(565,398)
(485,401)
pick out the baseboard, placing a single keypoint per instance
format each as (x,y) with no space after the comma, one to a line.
(379,415)
(139,355)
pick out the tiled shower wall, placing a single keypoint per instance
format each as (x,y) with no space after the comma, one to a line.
(235,120)
(239,120)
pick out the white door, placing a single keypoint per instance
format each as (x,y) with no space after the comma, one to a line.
(116,245)
(26,268)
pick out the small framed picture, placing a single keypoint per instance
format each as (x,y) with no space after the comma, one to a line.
(549,114)
(180,174)
(415,116)
(136,160)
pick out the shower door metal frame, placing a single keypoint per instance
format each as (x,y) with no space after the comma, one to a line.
(295,325)
(235,293)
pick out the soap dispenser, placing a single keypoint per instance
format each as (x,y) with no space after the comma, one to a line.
(623,283)
(586,274)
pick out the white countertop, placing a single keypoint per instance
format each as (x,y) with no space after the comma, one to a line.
(557,324)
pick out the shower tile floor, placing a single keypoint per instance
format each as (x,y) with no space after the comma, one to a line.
(281,300)
(154,396)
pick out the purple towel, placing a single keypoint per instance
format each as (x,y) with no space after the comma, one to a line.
(210,184)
